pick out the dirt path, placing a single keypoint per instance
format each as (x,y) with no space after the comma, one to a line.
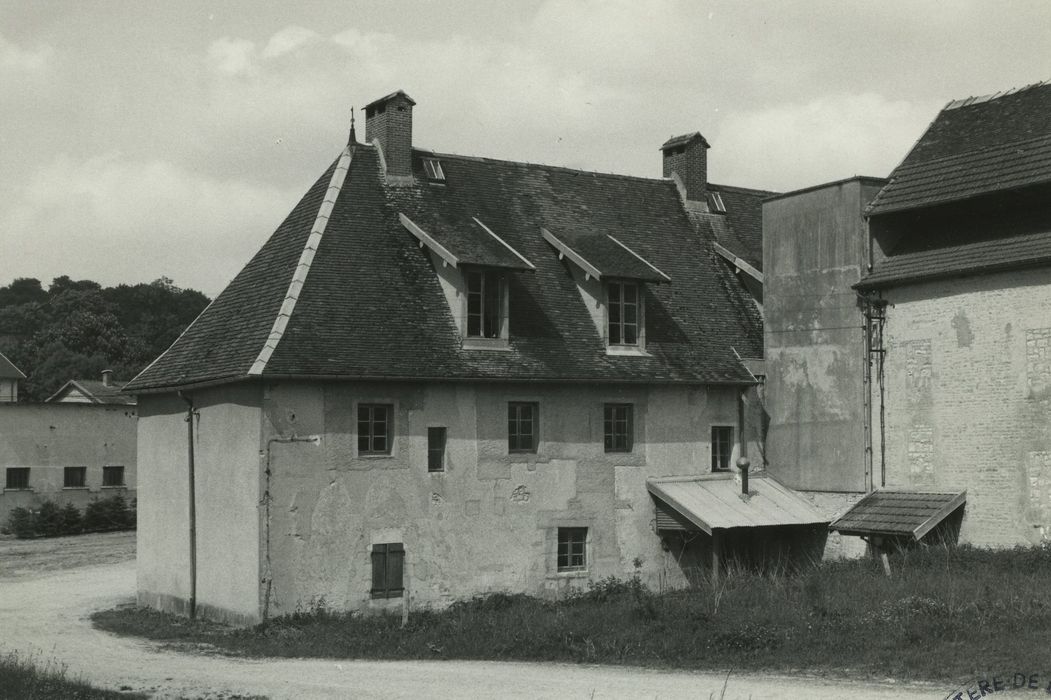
(46,613)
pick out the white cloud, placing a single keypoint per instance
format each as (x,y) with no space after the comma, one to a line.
(828,138)
(17,59)
(288,40)
(111,218)
(233,57)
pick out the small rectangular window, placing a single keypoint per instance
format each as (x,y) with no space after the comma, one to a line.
(484,304)
(715,203)
(622,313)
(522,426)
(17,478)
(388,561)
(435,449)
(432,168)
(375,432)
(113,476)
(572,548)
(722,447)
(74,477)
(617,425)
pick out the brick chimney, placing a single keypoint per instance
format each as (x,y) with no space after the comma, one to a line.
(106,374)
(686,157)
(388,121)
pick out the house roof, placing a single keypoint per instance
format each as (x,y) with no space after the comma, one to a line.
(740,229)
(898,513)
(989,255)
(715,502)
(975,146)
(343,290)
(95,391)
(8,369)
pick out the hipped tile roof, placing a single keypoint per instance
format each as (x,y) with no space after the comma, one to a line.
(372,306)
(975,146)
(96,390)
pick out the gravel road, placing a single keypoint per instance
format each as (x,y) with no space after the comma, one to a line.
(46,613)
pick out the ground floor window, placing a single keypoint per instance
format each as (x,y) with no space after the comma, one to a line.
(17,478)
(75,477)
(722,447)
(572,548)
(388,561)
(113,476)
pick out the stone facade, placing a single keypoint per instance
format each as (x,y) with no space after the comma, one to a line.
(967,399)
(284,457)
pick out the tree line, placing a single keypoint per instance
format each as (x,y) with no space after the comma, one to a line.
(74,329)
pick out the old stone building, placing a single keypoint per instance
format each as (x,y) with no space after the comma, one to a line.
(959,296)
(446,375)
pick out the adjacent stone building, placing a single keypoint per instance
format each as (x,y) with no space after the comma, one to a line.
(959,293)
(446,375)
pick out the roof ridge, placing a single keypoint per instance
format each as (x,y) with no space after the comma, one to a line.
(299,277)
(738,188)
(982,99)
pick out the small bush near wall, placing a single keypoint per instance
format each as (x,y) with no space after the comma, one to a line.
(51,520)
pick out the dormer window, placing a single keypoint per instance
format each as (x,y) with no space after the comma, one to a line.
(622,317)
(432,168)
(486,304)
(715,203)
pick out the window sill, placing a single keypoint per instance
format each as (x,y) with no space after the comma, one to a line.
(74,488)
(15,488)
(626,351)
(498,344)
(368,455)
(118,486)
(572,573)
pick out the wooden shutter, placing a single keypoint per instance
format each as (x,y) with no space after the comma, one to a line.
(395,567)
(379,570)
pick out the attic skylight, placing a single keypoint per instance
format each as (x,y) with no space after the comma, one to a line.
(432,167)
(715,203)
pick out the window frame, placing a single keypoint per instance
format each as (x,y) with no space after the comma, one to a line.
(485,304)
(25,486)
(108,469)
(432,170)
(79,480)
(609,425)
(615,305)
(388,566)
(369,435)
(717,455)
(534,420)
(436,452)
(571,542)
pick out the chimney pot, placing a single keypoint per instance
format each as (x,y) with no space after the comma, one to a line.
(742,465)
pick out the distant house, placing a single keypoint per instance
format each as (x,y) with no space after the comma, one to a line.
(10,376)
(445,375)
(97,391)
(66,452)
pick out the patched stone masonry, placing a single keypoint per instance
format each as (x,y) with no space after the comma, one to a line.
(968,399)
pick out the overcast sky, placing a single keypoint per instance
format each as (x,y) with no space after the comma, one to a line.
(141,139)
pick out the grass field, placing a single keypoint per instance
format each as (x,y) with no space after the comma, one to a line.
(945,614)
(27,678)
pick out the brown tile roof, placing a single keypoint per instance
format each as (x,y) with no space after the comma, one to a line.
(1013,252)
(898,513)
(8,369)
(975,146)
(372,307)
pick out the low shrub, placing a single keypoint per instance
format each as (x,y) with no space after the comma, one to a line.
(51,520)
(28,677)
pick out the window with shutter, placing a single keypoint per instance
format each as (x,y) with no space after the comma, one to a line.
(388,561)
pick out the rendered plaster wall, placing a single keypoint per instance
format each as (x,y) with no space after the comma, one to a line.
(46,438)
(968,399)
(814,250)
(489,521)
(227,470)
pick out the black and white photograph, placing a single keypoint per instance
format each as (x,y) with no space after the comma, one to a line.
(598,349)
